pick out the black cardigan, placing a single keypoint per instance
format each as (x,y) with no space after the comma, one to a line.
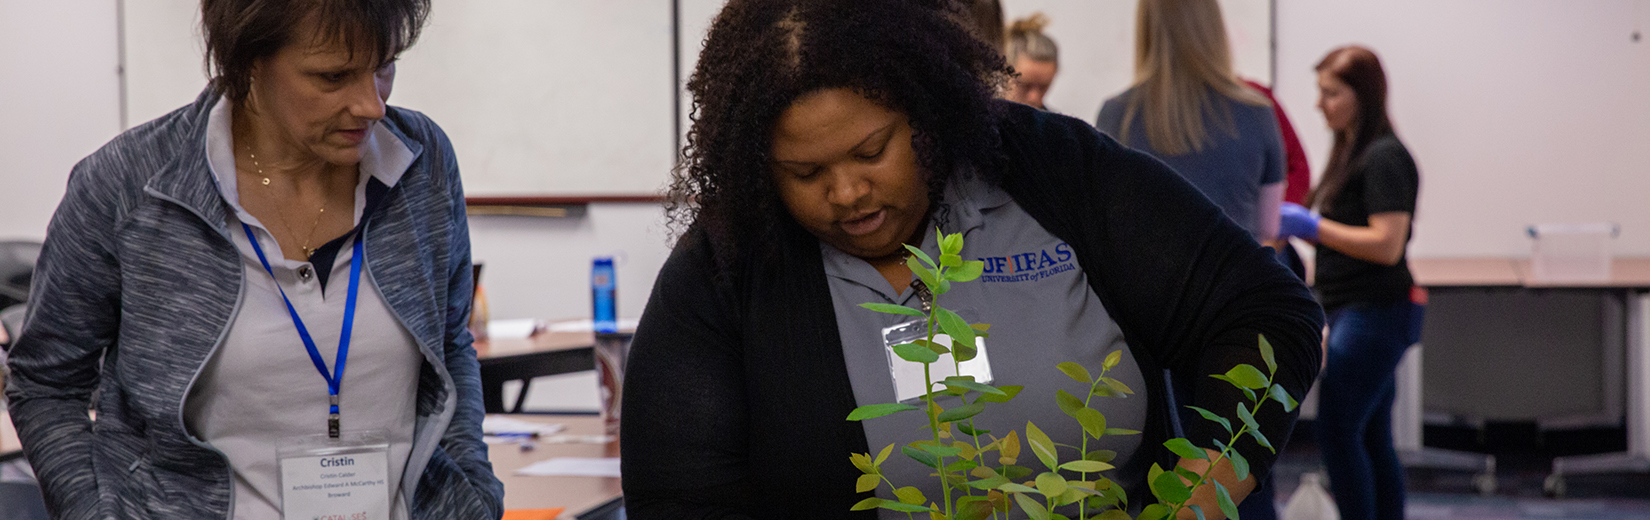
(737,393)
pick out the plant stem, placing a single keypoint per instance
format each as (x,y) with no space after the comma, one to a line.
(1230,446)
(1082,505)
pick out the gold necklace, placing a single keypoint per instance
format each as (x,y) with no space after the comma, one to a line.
(308,252)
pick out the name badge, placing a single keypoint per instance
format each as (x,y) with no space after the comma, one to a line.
(908,378)
(346,478)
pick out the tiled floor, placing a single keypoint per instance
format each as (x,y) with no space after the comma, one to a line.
(1522,464)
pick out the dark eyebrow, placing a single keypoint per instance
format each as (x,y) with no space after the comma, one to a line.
(868,137)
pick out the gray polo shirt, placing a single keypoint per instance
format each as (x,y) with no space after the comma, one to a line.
(1042,313)
(260,386)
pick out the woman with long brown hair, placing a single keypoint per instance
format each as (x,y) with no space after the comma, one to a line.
(1367,199)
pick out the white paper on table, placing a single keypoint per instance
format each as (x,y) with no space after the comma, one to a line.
(573,467)
(588,325)
(503,425)
(513,329)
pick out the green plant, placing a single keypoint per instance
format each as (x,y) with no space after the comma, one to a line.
(975,489)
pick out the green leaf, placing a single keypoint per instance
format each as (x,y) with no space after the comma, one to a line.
(1094,422)
(955,326)
(1282,397)
(980,327)
(1224,497)
(1154,512)
(1042,446)
(1031,507)
(1114,514)
(943,451)
(910,495)
(1240,465)
(979,509)
(1112,359)
(1116,386)
(884,455)
(922,457)
(1266,354)
(1071,496)
(1224,423)
(1170,489)
(991,482)
(969,383)
(964,351)
(1246,376)
(1121,431)
(1254,427)
(950,260)
(867,483)
(1076,372)
(1100,455)
(1086,466)
(869,503)
(1185,449)
(863,462)
(915,353)
(1197,511)
(970,431)
(1068,403)
(1051,484)
(918,253)
(872,411)
(903,507)
(1017,488)
(962,412)
(950,244)
(934,346)
(888,308)
(926,274)
(1009,392)
(967,272)
(1016,472)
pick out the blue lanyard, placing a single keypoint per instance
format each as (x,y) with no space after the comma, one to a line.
(335,379)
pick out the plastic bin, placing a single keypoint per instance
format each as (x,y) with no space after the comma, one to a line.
(1572,252)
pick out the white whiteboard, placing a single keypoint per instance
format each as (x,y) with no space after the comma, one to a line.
(1096,40)
(564,98)
(576,98)
(1518,112)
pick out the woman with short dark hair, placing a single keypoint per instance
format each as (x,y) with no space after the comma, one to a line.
(828,135)
(210,272)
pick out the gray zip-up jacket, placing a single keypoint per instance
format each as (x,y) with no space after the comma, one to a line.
(137,285)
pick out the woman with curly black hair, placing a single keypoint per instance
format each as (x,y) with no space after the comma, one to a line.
(827,135)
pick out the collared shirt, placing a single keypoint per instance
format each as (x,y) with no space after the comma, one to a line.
(260,385)
(1043,312)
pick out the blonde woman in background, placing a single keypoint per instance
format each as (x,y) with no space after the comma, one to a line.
(1188,109)
(1034,57)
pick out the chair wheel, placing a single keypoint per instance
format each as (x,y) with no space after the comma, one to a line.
(1553,486)
(1484,483)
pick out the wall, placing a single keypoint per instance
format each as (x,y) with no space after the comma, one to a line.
(1517,111)
(59,101)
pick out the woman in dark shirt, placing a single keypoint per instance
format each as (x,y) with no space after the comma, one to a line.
(1367,199)
(829,134)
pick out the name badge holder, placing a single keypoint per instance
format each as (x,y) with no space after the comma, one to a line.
(907,376)
(342,478)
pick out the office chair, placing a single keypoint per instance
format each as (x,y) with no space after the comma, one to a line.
(17,259)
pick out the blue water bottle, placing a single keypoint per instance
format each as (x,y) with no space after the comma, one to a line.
(605,316)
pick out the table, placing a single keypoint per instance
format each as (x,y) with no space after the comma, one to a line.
(577,494)
(543,354)
(1626,342)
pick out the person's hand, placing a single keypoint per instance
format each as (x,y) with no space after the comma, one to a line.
(1298,222)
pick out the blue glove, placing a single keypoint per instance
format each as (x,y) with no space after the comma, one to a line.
(1298,222)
